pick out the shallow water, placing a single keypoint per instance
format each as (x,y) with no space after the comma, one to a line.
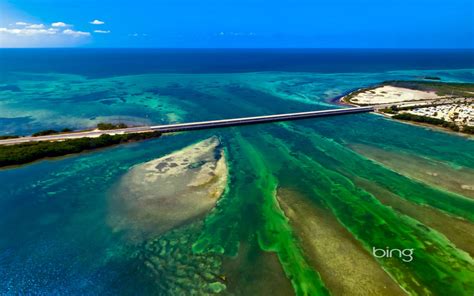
(56,237)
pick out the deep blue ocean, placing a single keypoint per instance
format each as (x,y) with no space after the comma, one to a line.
(107,62)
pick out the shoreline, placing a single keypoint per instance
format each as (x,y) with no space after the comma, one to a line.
(344,100)
(413,123)
(432,126)
(12,156)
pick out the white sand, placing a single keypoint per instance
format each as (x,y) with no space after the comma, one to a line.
(388,94)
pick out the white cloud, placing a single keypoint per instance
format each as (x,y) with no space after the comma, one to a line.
(75,33)
(28,31)
(36,26)
(59,24)
(97,22)
(102,31)
(22,34)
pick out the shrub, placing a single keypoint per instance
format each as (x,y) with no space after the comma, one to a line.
(110,126)
(8,137)
(468,129)
(435,121)
(45,133)
(419,118)
(28,152)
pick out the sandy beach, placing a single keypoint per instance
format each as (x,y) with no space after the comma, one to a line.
(388,94)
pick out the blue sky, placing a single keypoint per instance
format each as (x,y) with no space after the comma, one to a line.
(238,23)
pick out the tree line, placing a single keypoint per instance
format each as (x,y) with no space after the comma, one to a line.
(28,152)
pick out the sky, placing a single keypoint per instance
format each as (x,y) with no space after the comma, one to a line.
(238,23)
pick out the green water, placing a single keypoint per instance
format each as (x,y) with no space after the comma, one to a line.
(54,213)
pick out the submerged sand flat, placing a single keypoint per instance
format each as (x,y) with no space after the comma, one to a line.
(459,180)
(460,232)
(164,193)
(346,268)
(244,279)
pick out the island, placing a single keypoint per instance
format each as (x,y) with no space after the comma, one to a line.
(40,146)
(446,105)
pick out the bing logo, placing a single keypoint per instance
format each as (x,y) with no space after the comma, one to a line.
(405,254)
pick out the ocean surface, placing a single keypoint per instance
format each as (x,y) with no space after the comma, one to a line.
(305,202)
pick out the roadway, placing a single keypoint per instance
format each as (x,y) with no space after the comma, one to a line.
(170,128)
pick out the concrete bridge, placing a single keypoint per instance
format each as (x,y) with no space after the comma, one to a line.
(169,128)
(256,119)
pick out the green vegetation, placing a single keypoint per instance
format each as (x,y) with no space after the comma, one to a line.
(111,126)
(100,126)
(391,110)
(28,152)
(468,129)
(51,132)
(419,118)
(434,121)
(8,137)
(45,133)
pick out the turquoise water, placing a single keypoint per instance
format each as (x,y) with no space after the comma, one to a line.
(56,237)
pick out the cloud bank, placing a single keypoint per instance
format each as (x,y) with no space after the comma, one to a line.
(28,31)
(58,34)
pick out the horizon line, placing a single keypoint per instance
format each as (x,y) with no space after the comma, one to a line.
(255,48)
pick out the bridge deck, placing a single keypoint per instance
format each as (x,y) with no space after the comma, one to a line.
(257,119)
(169,128)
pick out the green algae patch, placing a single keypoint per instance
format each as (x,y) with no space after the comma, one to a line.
(458,231)
(437,267)
(220,234)
(439,174)
(216,287)
(253,191)
(343,160)
(344,265)
(276,235)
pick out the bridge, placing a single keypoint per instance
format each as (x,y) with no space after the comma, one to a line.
(179,127)
(256,119)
